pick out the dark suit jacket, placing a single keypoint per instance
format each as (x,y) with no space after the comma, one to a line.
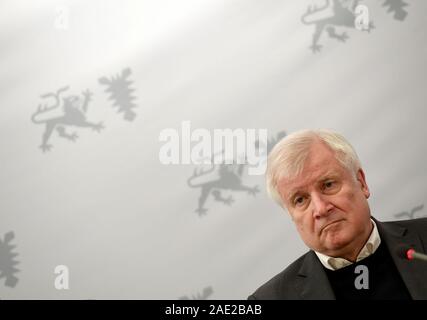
(306,278)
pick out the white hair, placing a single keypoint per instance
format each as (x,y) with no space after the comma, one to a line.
(287,158)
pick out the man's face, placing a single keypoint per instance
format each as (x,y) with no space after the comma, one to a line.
(328,204)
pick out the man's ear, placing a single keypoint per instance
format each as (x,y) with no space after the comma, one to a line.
(360,176)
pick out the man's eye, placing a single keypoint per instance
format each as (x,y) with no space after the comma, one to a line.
(329,184)
(299,201)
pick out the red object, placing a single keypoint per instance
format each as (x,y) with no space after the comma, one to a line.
(409,254)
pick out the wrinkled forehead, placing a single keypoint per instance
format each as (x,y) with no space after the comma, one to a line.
(308,178)
(318,159)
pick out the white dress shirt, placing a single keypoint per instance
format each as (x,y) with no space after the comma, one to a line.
(369,248)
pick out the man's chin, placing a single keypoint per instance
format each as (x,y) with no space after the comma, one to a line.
(337,243)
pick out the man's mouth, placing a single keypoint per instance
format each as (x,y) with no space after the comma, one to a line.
(330,224)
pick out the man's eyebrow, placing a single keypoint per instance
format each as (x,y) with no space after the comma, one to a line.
(328,175)
(293,193)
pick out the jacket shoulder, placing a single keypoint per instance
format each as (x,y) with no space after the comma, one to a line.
(418,225)
(282,285)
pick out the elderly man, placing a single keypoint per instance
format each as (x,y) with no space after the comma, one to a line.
(317,176)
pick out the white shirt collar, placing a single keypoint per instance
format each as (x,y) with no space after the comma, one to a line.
(369,248)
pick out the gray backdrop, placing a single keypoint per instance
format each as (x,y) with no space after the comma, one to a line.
(100,202)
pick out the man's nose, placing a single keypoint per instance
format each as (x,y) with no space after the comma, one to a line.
(320,205)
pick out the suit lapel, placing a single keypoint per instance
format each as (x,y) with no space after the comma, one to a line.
(414,273)
(312,282)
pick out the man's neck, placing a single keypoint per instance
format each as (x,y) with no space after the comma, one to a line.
(354,249)
(354,252)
